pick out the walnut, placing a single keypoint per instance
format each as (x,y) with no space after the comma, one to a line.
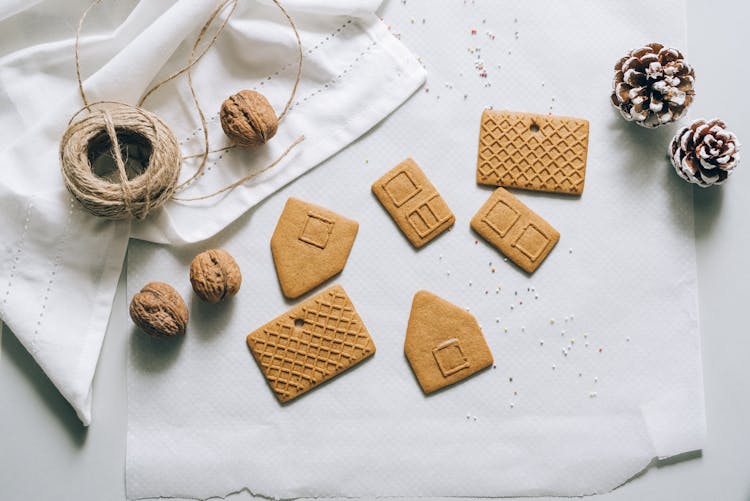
(248,119)
(215,275)
(159,310)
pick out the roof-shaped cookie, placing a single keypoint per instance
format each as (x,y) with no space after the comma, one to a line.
(444,343)
(310,245)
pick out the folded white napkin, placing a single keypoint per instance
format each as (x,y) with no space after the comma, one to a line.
(59,265)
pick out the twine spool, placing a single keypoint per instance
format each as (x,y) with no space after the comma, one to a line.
(134,188)
(120,128)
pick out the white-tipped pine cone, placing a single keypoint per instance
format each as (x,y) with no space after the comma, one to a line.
(653,85)
(705,153)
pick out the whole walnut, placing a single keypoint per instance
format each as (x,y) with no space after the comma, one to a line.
(215,275)
(248,118)
(159,310)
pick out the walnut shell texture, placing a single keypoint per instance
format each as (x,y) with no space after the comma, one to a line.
(248,119)
(159,311)
(215,275)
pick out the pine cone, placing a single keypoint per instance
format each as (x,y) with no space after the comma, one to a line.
(705,153)
(653,85)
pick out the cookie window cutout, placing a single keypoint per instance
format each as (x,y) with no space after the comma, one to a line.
(450,357)
(429,216)
(316,231)
(501,218)
(531,242)
(401,188)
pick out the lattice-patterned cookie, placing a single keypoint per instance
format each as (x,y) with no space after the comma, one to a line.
(517,231)
(532,152)
(413,203)
(311,343)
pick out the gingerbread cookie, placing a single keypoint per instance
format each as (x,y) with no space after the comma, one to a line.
(515,230)
(310,245)
(444,343)
(533,152)
(310,344)
(413,203)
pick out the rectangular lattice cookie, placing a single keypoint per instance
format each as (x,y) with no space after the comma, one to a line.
(311,343)
(533,152)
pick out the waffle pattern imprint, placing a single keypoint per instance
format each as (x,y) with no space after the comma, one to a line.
(533,152)
(311,343)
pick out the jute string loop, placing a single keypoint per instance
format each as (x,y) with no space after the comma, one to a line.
(119,127)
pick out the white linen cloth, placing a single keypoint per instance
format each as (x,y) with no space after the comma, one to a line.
(59,265)
(575,406)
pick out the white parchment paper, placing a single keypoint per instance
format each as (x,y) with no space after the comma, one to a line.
(597,353)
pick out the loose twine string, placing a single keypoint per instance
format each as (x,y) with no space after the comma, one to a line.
(135,198)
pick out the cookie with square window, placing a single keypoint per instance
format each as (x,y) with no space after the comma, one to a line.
(444,343)
(310,245)
(515,230)
(413,203)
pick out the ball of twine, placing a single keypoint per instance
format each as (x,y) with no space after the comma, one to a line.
(116,126)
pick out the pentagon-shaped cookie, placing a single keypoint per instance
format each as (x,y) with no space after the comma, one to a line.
(515,230)
(413,203)
(444,343)
(310,245)
(311,343)
(533,152)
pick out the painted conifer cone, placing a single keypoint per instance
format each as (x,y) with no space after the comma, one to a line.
(653,85)
(705,153)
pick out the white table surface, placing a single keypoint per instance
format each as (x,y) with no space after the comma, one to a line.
(45,453)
